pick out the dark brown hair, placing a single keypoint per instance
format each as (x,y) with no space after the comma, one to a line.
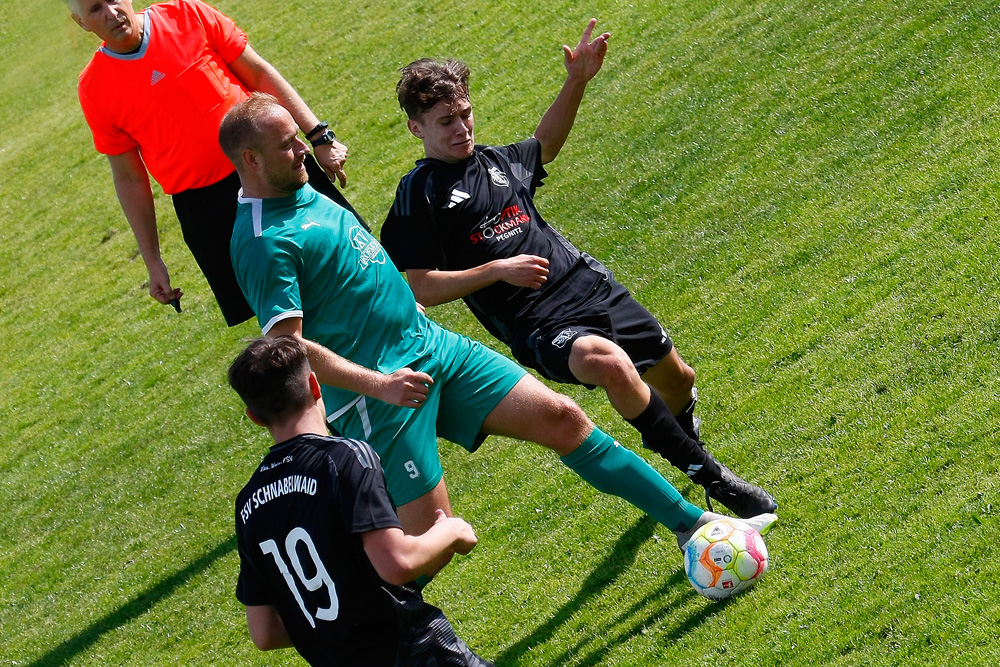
(425,82)
(272,377)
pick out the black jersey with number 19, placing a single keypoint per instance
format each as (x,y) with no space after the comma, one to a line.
(299,523)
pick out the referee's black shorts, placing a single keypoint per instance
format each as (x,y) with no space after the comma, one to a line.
(583,307)
(207,216)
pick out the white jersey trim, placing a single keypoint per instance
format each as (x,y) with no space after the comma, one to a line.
(362,406)
(256,212)
(279,317)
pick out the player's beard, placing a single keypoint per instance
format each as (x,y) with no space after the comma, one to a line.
(287,180)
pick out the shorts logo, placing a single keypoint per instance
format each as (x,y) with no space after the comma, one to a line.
(371,251)
(498,177)
(564,337)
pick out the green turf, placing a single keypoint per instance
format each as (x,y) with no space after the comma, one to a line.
(804,192)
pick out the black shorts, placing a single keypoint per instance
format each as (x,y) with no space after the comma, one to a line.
(604,309)
(207,215)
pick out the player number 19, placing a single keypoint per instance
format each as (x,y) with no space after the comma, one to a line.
(314,583)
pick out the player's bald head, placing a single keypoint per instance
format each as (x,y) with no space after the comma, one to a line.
(244,125)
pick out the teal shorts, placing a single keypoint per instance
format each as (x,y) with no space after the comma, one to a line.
(470,380)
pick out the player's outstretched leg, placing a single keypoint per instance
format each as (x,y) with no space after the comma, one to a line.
(531,411)
(662,434)
(598,361)
(605,464)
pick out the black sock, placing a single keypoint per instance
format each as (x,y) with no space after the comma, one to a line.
(661,433)
(686,419)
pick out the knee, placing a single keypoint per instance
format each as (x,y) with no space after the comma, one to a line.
(563,423)
(600,362)
(684,381)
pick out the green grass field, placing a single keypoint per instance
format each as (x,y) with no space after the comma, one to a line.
(805,193)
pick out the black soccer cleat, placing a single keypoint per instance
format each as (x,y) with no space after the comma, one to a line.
(743,498)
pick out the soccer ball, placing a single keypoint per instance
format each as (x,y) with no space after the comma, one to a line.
(724,557)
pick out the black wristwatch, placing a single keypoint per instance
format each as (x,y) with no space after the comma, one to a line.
(328,137)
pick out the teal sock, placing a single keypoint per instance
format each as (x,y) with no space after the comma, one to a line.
(611,468)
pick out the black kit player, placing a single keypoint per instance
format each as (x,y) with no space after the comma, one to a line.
(324,564)
(464,225)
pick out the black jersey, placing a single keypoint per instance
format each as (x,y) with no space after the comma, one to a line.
(457,216)
(298,524)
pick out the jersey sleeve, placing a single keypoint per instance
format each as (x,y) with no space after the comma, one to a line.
(408,235)
(365,503)
(525,158)
(251,589)
(108,139)
(268,271)
(223,35)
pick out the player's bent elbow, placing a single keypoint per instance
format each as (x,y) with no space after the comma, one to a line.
(397,570)
(271,641)
(426,297)
(267,630)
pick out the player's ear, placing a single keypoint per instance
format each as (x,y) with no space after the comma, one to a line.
(415,128)
(249,158)
(254,418)
(314,386)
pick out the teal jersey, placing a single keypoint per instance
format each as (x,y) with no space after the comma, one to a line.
(306,256)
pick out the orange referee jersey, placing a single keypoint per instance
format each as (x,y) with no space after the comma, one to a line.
(168,97)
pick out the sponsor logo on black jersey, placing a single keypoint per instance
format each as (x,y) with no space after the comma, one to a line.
(501,226)
(498,177)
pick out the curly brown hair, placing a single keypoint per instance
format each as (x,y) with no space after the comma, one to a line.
(425,82)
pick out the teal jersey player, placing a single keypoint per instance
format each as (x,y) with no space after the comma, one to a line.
(303,256)
(294,258)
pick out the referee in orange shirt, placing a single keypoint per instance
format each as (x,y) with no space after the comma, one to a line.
(153,96)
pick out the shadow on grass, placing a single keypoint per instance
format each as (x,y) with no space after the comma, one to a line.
(619,559)
(128,612)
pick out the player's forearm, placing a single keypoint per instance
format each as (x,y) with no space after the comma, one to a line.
(556,123)
(403,387)
(401,558)
(432,288)
(335,371)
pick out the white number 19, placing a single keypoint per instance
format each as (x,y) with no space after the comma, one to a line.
(320,579)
